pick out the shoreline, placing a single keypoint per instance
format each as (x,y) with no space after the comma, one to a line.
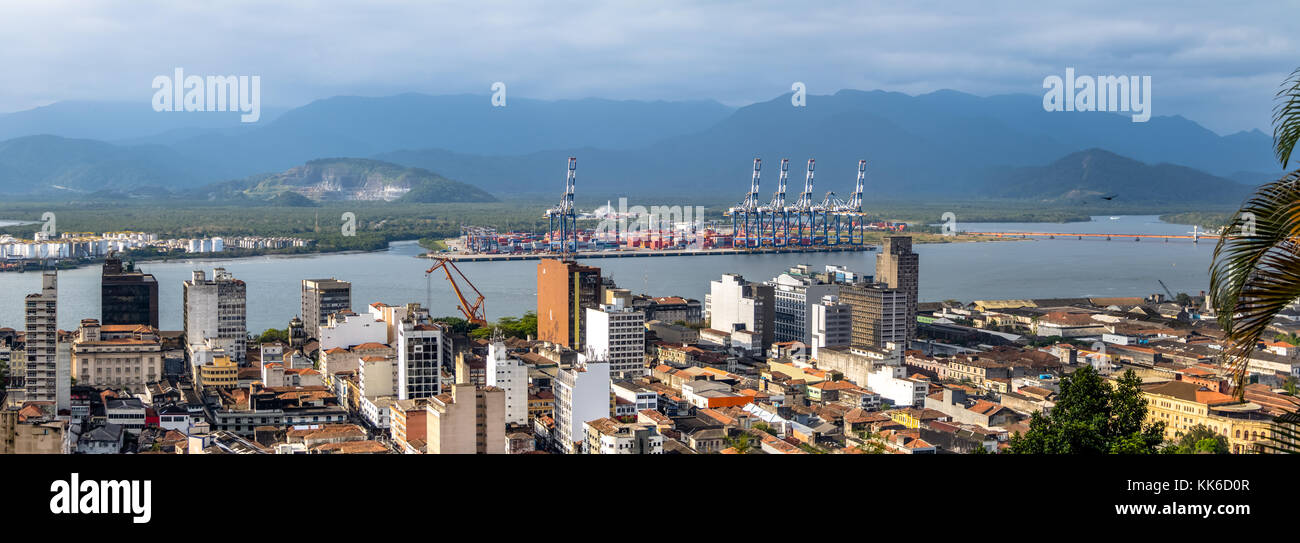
(74,264)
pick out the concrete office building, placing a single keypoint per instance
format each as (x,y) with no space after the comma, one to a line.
(322,298)
(216,313)
(117,356)
(794,293)
(565,289)
(468,420)
(582,394)
(736,304)
(127,295)
(616,333)
(879,313)
(899,268)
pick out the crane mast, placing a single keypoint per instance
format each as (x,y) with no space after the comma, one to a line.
(474,312)
(565,213)
(855,201)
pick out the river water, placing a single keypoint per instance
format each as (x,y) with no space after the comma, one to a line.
(963,271)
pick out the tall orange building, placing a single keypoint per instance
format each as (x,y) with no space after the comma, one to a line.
(565,289)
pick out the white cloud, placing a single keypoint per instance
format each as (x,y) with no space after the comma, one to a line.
(1204,58)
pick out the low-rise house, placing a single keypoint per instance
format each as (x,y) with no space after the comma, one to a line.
(106,439)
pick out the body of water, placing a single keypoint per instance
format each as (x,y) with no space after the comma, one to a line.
(963,271)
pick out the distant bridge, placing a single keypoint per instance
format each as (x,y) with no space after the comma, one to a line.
(1194,236)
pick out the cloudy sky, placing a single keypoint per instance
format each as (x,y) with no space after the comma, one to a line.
(1217,63)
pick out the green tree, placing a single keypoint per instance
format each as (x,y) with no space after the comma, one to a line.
(274,334)
(458,325)
(742,442)
(521,327)
(1200,440)
(1092,416)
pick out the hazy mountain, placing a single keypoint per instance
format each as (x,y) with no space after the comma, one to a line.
(934,144)
(346,179)
(938,144)
(53,165)
(360,126)
(114,121)
(1089,175)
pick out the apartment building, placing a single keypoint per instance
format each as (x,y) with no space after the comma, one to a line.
(734,303)
(616,333)
(831,324)
(582,393)
(511,376)
(215,313)
(468,420)
(322,298)
(46,373)
(608,436)
(423,350)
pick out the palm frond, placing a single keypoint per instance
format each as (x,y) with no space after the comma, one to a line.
(1286,118)
(1256,268)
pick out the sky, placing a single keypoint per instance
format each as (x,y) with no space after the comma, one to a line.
(1217,63)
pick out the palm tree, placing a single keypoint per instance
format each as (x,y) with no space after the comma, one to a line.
(1256,269)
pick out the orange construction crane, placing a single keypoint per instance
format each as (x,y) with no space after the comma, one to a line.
(473,312)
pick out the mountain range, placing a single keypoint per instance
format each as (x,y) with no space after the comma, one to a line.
(944,143)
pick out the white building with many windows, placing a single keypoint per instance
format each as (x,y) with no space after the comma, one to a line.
(616,333)
(423,350)
(581,395)
(511,376)
(216,313)
(832,324)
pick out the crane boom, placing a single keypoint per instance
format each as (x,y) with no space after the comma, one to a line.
(1162,285)
(474,313)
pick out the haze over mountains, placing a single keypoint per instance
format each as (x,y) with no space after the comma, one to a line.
(944,143)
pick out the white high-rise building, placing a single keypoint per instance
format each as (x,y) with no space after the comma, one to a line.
(795,291)
(616,333)
(581,395)
(832,323)
(734,303)
(44,378)
(216,314)
(510,375)
(423,349)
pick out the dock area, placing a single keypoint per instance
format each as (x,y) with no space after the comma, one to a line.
(648,253)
